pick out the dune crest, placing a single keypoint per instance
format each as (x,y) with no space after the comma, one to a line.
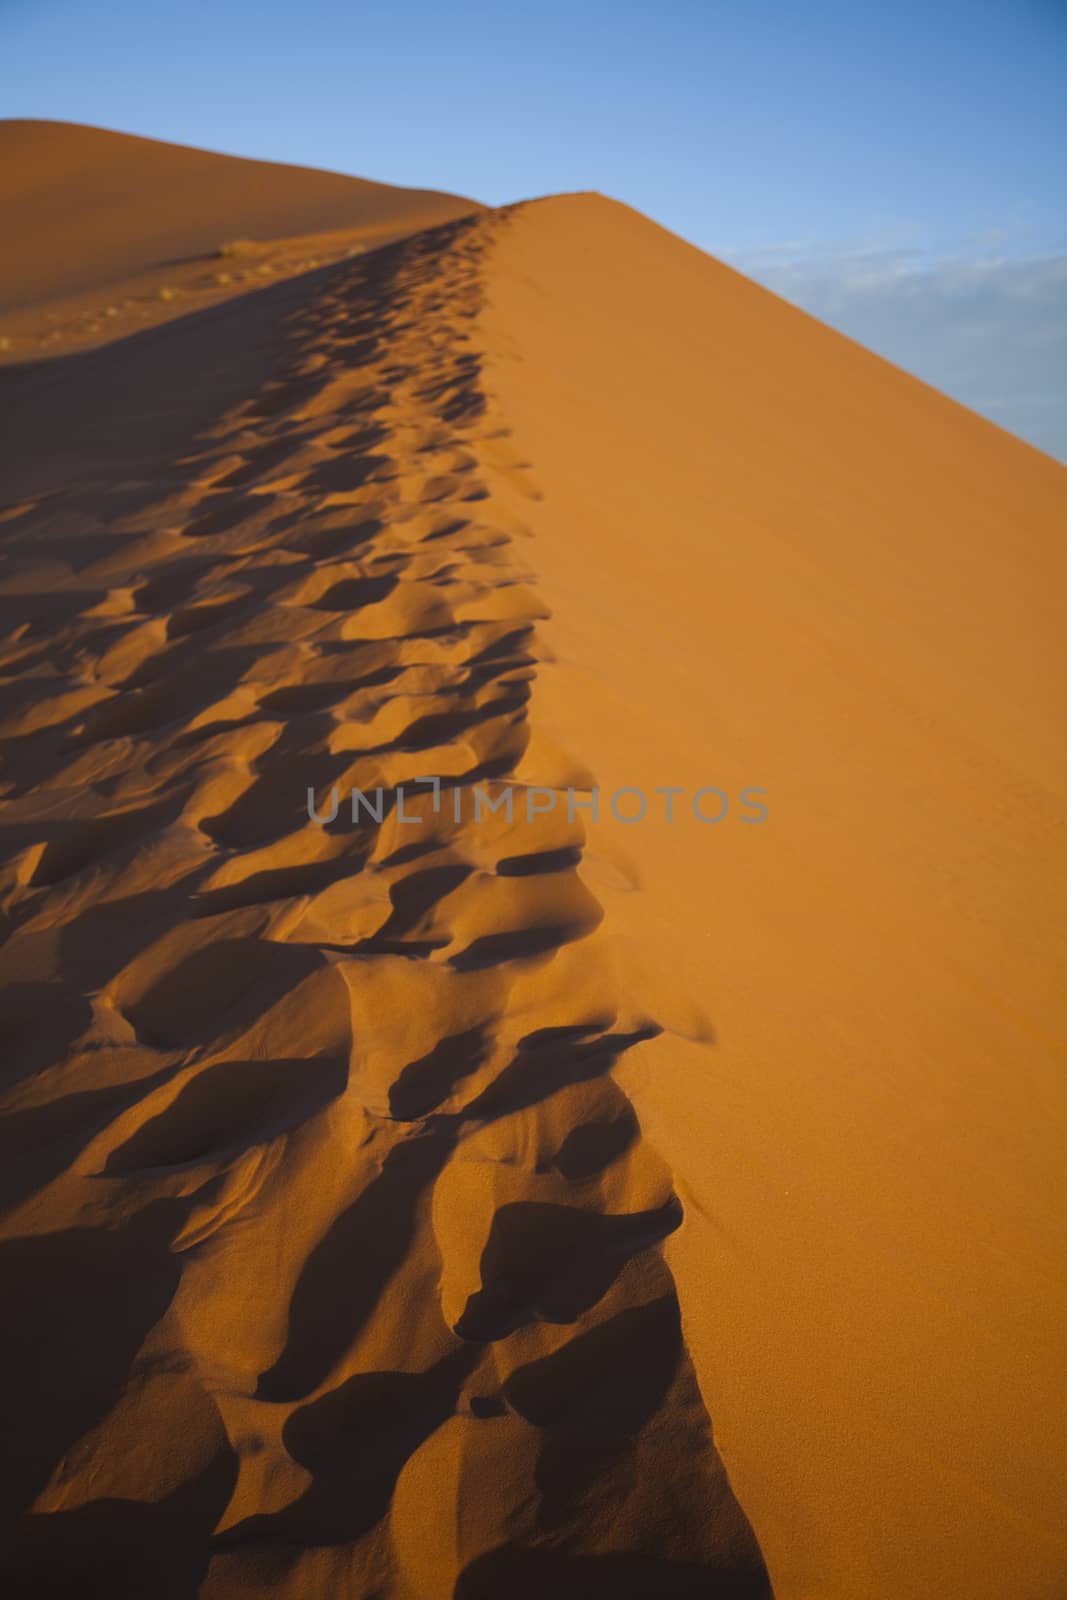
(334,1243)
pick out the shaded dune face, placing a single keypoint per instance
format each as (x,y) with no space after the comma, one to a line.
(333,1250)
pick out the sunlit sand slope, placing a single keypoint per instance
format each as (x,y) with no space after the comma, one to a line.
(774,560)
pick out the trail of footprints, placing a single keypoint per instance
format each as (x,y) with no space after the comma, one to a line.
(327,1110)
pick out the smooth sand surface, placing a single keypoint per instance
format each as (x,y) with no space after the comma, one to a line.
(774,560)
(475,1206)
(108,233)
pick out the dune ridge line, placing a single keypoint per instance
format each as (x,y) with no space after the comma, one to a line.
(341,1240)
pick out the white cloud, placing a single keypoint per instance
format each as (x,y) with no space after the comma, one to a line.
(986,325)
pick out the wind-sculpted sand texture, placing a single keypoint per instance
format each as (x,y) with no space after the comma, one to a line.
(332,1248)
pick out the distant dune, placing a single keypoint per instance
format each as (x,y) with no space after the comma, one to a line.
(111,232)
(472,1192)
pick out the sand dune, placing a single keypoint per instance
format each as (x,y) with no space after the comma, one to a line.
(116,233)
(320,1117)
(393,1206)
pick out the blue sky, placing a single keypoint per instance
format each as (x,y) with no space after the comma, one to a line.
(897,169)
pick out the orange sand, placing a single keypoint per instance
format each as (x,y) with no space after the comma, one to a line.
(393,1210)
(775,560)
(113,234)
